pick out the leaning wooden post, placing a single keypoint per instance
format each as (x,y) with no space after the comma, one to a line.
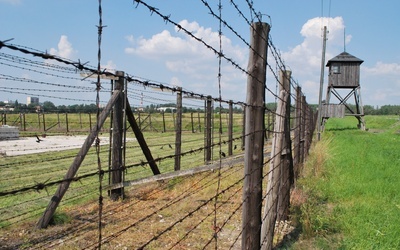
(140,139)
(208,129)
(254,142)
(178,129)
(117,133)
(230,129)
(73,169)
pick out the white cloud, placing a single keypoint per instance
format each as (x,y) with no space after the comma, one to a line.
(305,58)
(64,48)
(110,66)
(175,81)
(188,59)
(382,68)
(380,84)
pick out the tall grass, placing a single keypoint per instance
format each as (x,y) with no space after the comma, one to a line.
(353,199)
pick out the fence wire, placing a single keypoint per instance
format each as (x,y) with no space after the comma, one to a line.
(208,197)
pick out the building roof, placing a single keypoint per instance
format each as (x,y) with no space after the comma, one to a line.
(344,57)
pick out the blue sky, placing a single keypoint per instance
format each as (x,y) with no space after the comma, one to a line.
(143,45)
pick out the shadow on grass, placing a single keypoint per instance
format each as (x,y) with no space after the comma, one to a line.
(342,129)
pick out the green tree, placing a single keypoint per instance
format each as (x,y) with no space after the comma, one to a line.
(49,106)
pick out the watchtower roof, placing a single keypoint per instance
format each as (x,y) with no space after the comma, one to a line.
(344,57)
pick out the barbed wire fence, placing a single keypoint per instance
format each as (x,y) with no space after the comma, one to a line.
(220,191)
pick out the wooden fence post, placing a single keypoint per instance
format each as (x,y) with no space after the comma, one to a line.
(208,130)
(139,119)
(66,121)
(286,155)
(178,129)
(244,127)
(303,128)
(254,142)
(297,132)
(230,129)
(58,119)
(117,133)
(173,118)
(274,176)
(90,121)
(44,122)
(269,127)
(21,121)
(163,121)
(191,119)
(39,122)
(198,116)
(80,120)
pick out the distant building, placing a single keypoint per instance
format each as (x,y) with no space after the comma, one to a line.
(33,100)
(7,108)
(8,132)
(164,109)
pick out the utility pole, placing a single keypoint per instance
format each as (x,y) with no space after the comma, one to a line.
(321,84)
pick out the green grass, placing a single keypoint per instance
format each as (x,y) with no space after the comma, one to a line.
(353,201)
(28,170)
(53,123)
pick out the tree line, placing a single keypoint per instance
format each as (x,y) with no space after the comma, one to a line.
(48,106)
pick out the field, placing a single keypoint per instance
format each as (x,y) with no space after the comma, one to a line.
(75,223)
(349,197)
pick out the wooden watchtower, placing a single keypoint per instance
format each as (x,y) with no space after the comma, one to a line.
(344,75)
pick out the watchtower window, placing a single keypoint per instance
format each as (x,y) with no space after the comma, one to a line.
(336,69)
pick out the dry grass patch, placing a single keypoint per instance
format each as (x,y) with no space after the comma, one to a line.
(177,214)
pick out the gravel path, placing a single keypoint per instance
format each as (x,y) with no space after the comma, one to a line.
(30,145)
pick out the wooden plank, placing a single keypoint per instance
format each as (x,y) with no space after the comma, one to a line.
(227,162)
(102,76)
